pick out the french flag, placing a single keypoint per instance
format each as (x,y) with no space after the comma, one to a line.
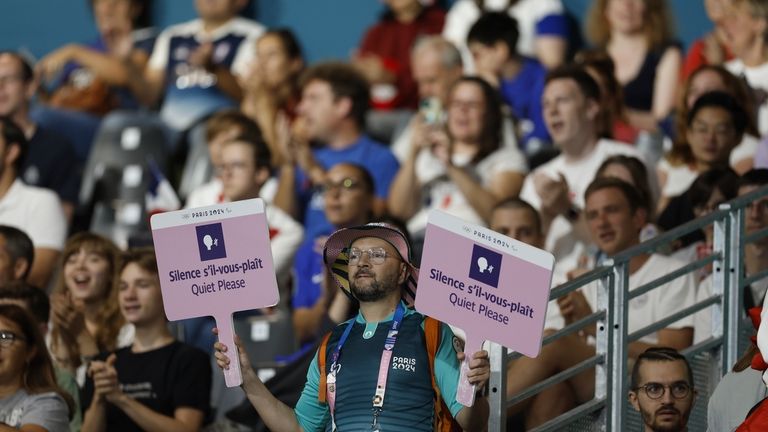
(160,196)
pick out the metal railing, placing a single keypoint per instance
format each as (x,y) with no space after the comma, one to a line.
(607,409)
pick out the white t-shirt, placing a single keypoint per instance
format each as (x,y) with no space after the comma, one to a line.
(444,194)
(561,241)
(679,178)
(211,193)
(46,410)
(757,78)
(37,212)
(652,306)
(528,13)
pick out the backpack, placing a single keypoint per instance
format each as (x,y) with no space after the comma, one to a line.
(444,421)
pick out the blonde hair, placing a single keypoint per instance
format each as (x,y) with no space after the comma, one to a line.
(109,317)
(657,24)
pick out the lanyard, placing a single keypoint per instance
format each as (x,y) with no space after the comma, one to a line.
(386,357)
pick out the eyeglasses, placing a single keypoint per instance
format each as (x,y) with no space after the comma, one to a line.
(679,390)
(7,338)
(376,255)
(344,185)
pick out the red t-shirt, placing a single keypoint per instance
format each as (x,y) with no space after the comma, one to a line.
(391,41)
(695,58)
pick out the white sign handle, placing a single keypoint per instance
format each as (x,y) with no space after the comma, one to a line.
(465,393)
(232,376)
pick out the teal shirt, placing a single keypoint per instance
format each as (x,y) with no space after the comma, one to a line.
(408,401)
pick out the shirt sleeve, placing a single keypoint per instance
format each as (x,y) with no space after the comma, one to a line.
(48,411)
(285,238)
(160,53)
(50,232)
(386,169)
(446,369)
(310,413)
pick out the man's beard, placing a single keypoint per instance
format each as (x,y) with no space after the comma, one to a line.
(651,419)
(375,291)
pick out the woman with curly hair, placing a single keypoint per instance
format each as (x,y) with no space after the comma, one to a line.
(85,316)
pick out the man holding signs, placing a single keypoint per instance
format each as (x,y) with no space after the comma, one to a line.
(377,373)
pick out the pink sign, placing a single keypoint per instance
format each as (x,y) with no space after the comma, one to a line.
(214,261)
(489,285)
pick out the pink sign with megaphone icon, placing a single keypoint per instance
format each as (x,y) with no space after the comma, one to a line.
(487,284)
(214,261)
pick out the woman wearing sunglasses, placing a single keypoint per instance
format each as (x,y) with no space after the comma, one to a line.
(30,399)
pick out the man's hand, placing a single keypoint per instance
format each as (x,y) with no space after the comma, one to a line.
(554,194)
(574,306)
(479,369)
(222,360)
(202,57)
(105,382)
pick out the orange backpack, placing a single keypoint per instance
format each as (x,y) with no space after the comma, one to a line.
(444,421)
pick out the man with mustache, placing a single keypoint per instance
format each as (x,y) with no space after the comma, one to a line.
(377,372)
(662,390)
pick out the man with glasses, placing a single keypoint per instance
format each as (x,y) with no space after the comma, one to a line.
(244,169)
(377,374)
(662,390)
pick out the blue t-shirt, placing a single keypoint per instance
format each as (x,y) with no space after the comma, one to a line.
(408,403)
(371,155)
(307,275)
(192,93)
(523,95)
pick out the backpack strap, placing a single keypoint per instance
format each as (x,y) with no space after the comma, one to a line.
(321,359)
(444,421)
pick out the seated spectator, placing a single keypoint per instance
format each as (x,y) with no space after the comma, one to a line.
(271,90)
(614,217)
(599,65)
(332,113)
(461,168)
(50,160)
(572,112)
(492,41)
(755,219)
(712,48)
(638,37)
(714,127)
(384,53)
(245,168)
(85,317)
(220,128)
(30,398)
(34,210)
(745,24)
(661,390)
(543,24)
(717,78)
(195,66)
(517,219)
(16,254)
(317,303)
(632,170)
(156,383)
(83,81)
(35,302)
